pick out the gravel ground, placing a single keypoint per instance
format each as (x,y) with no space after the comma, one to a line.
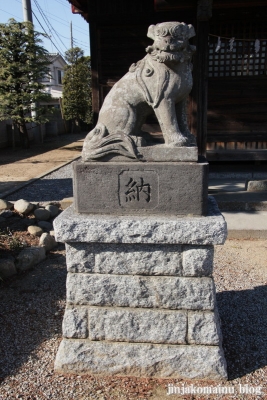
(52,187)
(32,307)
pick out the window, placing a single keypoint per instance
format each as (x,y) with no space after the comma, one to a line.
(60,75)
(245,56)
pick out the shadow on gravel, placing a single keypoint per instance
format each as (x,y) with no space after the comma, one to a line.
(244,325)
(9,155)
(45,190)
(32,308)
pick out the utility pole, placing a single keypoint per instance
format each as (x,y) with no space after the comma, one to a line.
(27,17)
(71,36)
(27,10)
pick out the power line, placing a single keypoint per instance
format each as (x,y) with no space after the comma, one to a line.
(50,27)
(85,32)
(63,4)
(58,36)
(40,25)
(10,14)
(81,43)
(47,34)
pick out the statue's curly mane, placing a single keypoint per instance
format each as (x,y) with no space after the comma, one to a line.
(177,56)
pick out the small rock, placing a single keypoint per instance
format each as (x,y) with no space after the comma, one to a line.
(7,267)
(52,233)
(53,210)
(30,256)
(35,230)
(5,205)
(6,214)
(47,241)
(42,214)
(23,206)
(29,221)
(47,226)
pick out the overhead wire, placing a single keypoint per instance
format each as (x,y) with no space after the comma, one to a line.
(48,36)
(81,43)
(82,31)
(50,27)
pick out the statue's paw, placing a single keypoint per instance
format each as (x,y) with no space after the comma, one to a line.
(191,139)
(179,141)
(96,134)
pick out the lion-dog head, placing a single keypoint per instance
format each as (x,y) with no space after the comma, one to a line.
(171,41)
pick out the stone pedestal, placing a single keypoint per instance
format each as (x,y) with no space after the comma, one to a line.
(122,188)
(140,295)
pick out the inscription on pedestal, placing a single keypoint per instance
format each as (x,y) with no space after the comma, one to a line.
(143,189)
(138,189)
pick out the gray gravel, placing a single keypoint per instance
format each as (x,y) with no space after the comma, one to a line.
(32,307)
(52,187)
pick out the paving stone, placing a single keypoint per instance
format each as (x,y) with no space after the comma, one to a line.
(75,323)
(257,186)
(141,360)
(137,325)
(138,291)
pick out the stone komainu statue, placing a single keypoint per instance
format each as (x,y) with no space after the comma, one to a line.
(158,83)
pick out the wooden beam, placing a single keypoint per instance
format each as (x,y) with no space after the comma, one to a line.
(202,84)
(237,155)
(204,13)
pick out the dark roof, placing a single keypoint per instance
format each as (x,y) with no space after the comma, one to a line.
(53,56)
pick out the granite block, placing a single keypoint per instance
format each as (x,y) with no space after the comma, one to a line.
(141,360)
(139,291)
(146,326)
(75,323)
(73,227)
(198,260)
(204,328)
(124,259)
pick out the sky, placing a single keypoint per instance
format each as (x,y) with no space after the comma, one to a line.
(52,17)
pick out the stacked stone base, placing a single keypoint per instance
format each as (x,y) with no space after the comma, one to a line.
(141,303)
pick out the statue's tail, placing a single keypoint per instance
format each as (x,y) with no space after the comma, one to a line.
(98,143)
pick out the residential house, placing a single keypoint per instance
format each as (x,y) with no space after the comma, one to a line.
(53,85)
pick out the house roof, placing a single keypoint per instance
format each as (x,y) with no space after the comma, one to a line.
(54,56)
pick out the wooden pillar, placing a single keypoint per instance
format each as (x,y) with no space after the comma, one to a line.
(204,12)
(94,69)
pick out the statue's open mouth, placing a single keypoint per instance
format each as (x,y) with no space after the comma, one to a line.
(162,56)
